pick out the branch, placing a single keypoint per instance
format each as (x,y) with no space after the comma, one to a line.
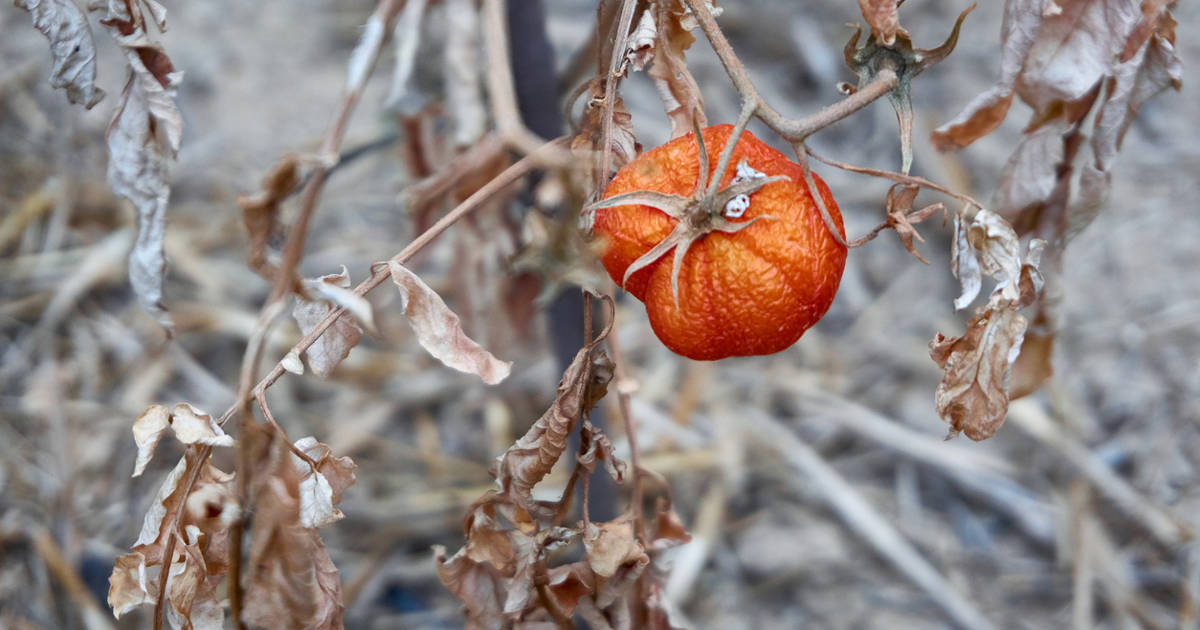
(795,131)
(380,270)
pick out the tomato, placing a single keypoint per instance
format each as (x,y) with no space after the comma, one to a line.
(751,267)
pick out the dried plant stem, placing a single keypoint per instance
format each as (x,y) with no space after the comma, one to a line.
(794,130)
(900,178)
(619,379)
(385,15)
(380,272)
(624,22)
(510,127)
(199,456)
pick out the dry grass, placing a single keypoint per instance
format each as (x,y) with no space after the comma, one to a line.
(815,481)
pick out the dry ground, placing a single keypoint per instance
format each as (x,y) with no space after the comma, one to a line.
(1084,496)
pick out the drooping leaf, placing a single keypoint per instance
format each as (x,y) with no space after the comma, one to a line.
(291,581)
(260,211)
(335,343)
(676,86)
(439,330)
(147,430)
(321,489)
(1022,19)
(611,545)
(143,139)
(974,392)
(71,46)
(530,459)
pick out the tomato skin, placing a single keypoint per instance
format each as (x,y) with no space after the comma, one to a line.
(747,293)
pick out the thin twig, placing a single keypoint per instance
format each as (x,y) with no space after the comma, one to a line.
(380,271)
(619,381)
(900,178)
(794,130)
(383,17)
(620,42)
(503,94)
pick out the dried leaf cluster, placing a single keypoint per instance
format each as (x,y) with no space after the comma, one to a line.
(294,488)
(1086,67)
(505,573)
(146,128)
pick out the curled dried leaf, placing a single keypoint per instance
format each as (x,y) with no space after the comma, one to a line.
(71,46)
(260,211)
(640,49)
(192,426)
(974,392)
(595,445)
(612,545)
(143,140)
(130,584)
(588,143)
(439,330)
(474,584)
(321,487)
(530,459)
(335,343)
(147,431)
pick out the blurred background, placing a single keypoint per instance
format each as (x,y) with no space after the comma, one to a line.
(1080,510)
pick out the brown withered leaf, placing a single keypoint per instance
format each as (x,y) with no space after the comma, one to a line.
(476,585)
(260,211)
(668,530)
(339,471)
(596,446)
(1152,69)
(676,86)
(612,545)
(1075,47)
(1033,366)
(147,431)
(982,115)
(899,203)
(439,330)
(570,582)
(338,340)
(192,426)
(71,47)
(964,264)
(530,459)
(884,19)
(291,581)
(1055,54)
(321,486)
(589,141)
(974,392)
(200,557)
(131,584)
(1155,19)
